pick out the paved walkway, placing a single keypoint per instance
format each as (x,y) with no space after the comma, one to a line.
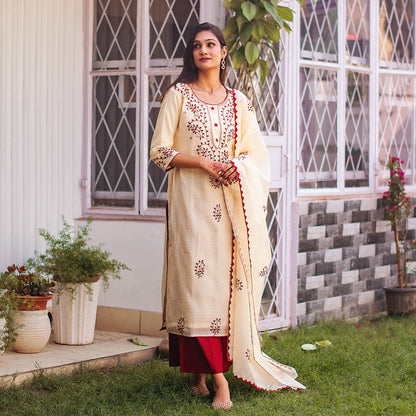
(108,350)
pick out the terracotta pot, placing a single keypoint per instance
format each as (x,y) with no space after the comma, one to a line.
(33,303)
(401,300)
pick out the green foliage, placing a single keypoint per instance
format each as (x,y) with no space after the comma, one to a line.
(70,258)
(25,281)
(369,370)
(254,29)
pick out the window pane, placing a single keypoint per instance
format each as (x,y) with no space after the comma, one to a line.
(358,32)
(397,34)
(318,128)
(157,179)
(396,124)
(319,30)
(357,130)
(113,140)
(115,34)
(170,24)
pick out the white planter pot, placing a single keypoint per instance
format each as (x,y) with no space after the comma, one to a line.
(74,313)
(33,330)
(2,331)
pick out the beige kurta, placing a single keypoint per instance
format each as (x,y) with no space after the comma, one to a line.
(216,249)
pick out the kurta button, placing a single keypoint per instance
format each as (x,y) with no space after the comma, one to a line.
(216,125)
(212,108)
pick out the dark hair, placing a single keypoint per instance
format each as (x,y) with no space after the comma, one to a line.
(189,70)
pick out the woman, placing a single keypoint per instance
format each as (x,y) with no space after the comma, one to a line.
(216,249)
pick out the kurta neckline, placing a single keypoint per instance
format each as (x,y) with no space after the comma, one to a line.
(208,104)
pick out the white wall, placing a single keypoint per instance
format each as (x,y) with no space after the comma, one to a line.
(41,119)
(41,84)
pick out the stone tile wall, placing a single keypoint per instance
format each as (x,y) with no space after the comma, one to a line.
(346,256)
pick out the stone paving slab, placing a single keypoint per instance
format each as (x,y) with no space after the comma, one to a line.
(108,350)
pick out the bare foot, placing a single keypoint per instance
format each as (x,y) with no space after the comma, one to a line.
(199,386)
(222,392)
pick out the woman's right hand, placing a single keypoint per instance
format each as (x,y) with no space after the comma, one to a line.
(223,172)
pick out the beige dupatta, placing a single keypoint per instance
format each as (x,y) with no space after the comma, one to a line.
(246,203)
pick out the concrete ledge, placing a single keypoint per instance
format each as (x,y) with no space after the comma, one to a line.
(109,349)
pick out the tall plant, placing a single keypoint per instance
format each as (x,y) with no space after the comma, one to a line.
(397,207)
(250,33)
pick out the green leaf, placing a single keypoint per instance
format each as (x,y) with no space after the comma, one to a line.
(272,31)
(287,27)
(285,13)
(240,22)
(230,28)
(249,10)
(238,58)
(245,33)
(272,11)
(264,69)
(258,31)
(251,52)
(232,4)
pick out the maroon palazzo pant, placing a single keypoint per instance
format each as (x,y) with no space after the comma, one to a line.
(198,355)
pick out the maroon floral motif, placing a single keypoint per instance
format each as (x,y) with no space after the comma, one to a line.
(215,326)
(250,106)
(181,325)
(263,271)
(239,284)
(248,355)
(243,156)
(163,154)
(217,213)
(199,268)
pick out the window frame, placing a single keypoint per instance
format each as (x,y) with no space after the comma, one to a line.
(341,67)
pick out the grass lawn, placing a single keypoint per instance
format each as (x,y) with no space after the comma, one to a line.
(369,370)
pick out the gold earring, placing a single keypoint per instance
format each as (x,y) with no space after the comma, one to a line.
(223,63)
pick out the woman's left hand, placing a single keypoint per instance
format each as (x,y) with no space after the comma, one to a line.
(228,174)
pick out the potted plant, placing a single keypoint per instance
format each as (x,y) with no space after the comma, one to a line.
(254,29)
(76,267)
(26,291)
(401,299)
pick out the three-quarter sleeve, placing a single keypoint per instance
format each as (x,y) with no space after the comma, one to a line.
(162,147)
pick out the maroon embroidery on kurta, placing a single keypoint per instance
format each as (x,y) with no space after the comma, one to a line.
(215,326)
(199,268)
(217,213)
(239,284)
(181,325)
(163,154)
(263,271)
(248,354)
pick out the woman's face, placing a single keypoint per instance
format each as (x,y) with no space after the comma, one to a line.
(207,51)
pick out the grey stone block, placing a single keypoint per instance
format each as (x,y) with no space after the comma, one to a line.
(315,256)
(359,286)
(375,284)
(325,292)
(352,205)
(343,217)
(326,243)
(306,270)
(350,252)
(359,263)
(376,261)
(342,266)
(341,290)
(343,241)
(333,230)
(383,248)
(308,220)
(326,219)
(324,268)
(367,227)
(365,274)
(315,306)
(360,216)
(308,245)
(307,295)
(317,207)
(349,300)
(376,238)
(332,279)
(389,259)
